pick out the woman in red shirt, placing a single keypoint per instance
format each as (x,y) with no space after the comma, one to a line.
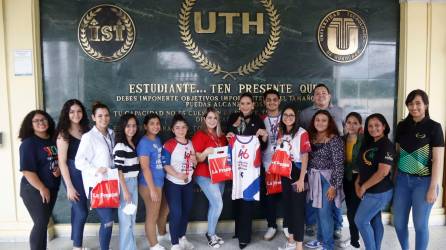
(205,141)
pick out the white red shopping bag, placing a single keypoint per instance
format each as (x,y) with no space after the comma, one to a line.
(273,183)
(220,165)
(281,162)
(106,192)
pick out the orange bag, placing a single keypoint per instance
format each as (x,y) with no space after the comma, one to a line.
(220,165)
(273,183)
(106,193)
(281,163)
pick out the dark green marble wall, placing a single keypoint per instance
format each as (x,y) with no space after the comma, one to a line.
(367,85)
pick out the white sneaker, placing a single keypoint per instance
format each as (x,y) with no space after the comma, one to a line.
(157,247)
(288,246)
(220,240)
(185,244)
(285,231)
(165,237)
(176,247)
(270,233)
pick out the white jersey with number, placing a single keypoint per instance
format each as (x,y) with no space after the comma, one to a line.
(246,159)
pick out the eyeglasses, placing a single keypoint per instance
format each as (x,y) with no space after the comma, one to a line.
(288,115)
(37,121)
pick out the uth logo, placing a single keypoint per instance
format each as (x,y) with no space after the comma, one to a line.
(342,36)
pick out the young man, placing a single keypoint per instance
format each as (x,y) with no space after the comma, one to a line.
(271,100)
(322,100)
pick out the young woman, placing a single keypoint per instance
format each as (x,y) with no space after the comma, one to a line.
(373,184)
(245,122)
(151,181)
(205,141)
(41,173)
(178,158)
(421,149)
(126,160)
(73,122)
(94,159)
(326,166)
(353,141)
(293,190)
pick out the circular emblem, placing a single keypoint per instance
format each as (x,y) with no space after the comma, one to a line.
(106,33)
(342,36)
(213,67)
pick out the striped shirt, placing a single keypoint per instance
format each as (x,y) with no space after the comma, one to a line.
(126,160)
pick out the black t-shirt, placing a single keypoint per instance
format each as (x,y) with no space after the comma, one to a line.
(252,123)
(371,155)
(40,156)
(416,141)
(73,145)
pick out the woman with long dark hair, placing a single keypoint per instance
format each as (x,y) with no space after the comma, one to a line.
(73,122)
(94,159)
(326,171)
(205,141)
(293,190)
(41,173)
(420,145)
(126,160)
(373,184)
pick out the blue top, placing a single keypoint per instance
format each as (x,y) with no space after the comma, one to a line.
(40,156)
(152,149)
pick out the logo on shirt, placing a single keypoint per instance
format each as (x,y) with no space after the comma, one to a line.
(388,156)
(368,156)
(243,154)
(420,135)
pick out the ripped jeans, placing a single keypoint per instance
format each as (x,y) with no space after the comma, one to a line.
(106,216)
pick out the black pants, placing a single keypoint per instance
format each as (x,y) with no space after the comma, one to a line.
(352,201)
(40,213)
(294,210)
(243,211)
(270,203)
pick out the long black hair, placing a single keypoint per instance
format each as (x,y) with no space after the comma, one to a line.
(283,128)
(367,137)
(120,136)
(64,123)
(27,130)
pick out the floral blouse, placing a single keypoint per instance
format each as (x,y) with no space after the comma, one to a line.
(329,155)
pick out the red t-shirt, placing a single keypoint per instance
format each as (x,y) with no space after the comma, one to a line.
(201,141)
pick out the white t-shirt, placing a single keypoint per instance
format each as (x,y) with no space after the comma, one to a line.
(178,156)
(272,127)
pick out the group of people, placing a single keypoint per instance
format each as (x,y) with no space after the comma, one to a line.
(334,158)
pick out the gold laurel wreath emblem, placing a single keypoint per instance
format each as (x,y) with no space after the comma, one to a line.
(213,67)
(120,53)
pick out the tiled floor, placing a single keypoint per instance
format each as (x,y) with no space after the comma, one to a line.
(390,242)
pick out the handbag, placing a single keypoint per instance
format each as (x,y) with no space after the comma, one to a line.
(273,183)
(220,165)
(106,192)
(281,162)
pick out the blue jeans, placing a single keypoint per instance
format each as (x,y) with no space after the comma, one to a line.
(214,194)
(411,192)
(368,218)
(105,231)
(325,219)
(127,222)
(180,201)
(311,216)
(79,209)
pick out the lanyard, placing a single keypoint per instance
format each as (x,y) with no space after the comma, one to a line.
(109,146)
(273,129)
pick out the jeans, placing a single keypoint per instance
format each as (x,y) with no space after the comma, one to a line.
(40,214)
(368,218)
(214,194)
(311,216)
(352,201)
(127,222)
(325,218)
(411,192)
(105,231)
(180,201)
(79,209)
